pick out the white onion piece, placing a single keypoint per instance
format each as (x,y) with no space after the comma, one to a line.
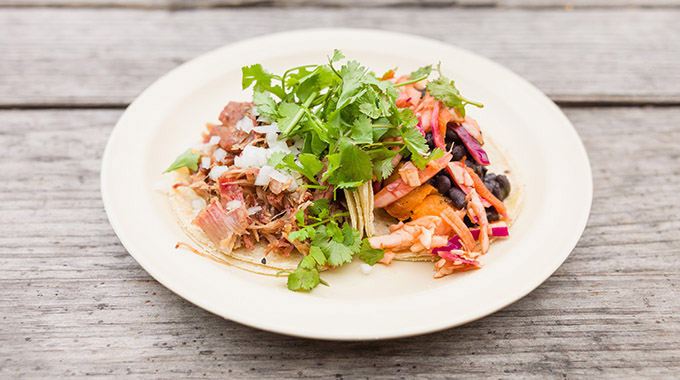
(233,205)
(245,124)
(251,157)
(217,171)
(264,175)
(214,140)
(254,210)
(205,162)
(198,204)
(219,154)
(366,269)
(278,176)
(254,111)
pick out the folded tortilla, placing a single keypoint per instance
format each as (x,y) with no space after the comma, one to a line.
(184,200)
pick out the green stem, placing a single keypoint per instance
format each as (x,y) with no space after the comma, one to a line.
(412,81)
(285,131)
(334,216)
(322,187)
(283,78)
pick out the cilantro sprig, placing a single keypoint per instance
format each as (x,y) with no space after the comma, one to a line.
(342,112)
(332,245)
(187,159)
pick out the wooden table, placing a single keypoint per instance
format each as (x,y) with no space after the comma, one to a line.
(75,304)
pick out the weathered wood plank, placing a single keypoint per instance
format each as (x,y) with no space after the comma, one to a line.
(194,4)
(90,57)
(75,304)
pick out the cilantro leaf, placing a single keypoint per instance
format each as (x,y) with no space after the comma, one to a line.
(362,130)
(356,168)
(444,90)
(369,254)
(262,79)
(320,208)
(370,109)
(186,159)
(266,106)
(301,234)
(351,74)
(288,114)
(382,162)
(415,143)
(311,166)
(333,164)
(334,232)
(317,254)
(421,72)
(421,161)
(350,237)
(337,55)
(303,279)
(336,253)
(275,158)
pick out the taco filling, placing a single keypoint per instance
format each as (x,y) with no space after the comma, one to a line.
(331,161)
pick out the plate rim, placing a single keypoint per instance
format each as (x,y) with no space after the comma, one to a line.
(517,294)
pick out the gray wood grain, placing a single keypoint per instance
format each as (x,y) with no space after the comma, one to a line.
(192,4)
(80,57)
(74,303)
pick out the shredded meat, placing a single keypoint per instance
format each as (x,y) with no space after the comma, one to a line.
(235,228)
(221,225)
(235,111)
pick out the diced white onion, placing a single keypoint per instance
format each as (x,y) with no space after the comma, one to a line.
(205,162)
(214,140)
(245,124)
(252,157)
(266,129)
(254,210)
(233,205)
(279,146)
(278,176)
(198,204)
(217,171)
(293,185)
(254,111)
(219,154)
(264,176)
(366,269)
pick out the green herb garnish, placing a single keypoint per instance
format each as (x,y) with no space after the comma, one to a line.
(343,113)
(186,159)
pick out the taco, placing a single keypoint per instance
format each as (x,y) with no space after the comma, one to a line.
(328,163)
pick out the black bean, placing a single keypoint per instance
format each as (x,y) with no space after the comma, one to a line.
(429,139)
(443,183)
(457,196)
(479,169)
(493,187)
(451,136)
(492,214)
(490,176)
(469,222)
(458,152)
(504,186)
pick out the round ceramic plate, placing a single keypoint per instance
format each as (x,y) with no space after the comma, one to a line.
(393,301)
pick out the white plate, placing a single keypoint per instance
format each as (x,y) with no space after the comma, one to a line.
(393,301)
